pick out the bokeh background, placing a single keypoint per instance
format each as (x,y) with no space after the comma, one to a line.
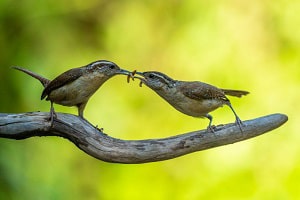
(249,45)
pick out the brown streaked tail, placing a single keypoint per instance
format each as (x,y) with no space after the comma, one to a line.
(43,80)
(236,93)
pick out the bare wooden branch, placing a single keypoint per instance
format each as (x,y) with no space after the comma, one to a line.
(103,147)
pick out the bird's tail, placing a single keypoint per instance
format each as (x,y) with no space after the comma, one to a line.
(236,93)
(43,80)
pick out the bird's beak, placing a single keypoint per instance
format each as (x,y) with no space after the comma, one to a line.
(125,72)
(140,73)
(137,73)
(132,76)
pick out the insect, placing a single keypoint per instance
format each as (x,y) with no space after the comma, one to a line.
(131,76)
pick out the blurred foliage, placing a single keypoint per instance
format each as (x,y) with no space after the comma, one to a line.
(251,45)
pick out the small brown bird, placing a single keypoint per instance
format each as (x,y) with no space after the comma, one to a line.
(192,98)
(75,86)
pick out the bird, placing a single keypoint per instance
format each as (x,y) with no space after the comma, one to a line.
(193,98)
(75,86)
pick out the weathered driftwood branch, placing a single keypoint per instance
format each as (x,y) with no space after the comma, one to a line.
(103,147)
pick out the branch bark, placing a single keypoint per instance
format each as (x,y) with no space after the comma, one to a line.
(101,146)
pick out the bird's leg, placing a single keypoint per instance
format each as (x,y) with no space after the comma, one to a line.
(52,114)
(81,107)
(238,121)
(210,127)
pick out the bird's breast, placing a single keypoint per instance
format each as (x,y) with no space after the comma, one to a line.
(197,108)
(188,106)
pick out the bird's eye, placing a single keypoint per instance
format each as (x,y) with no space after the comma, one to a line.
(112,67)
(151,76)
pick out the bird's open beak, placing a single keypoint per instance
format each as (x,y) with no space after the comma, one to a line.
(140,73)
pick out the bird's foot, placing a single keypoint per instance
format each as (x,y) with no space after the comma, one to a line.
(211,128)
(51,118)
(239,123)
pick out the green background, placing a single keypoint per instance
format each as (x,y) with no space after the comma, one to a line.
(237,44)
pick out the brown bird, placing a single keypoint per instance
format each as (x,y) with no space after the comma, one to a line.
(75,86)
(192,98)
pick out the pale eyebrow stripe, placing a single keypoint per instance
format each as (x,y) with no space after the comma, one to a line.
(102,62)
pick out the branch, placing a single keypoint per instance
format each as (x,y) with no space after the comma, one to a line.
(103,147)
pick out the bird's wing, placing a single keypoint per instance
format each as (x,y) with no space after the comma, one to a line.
(236,93)
(200,91)
(62,80)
